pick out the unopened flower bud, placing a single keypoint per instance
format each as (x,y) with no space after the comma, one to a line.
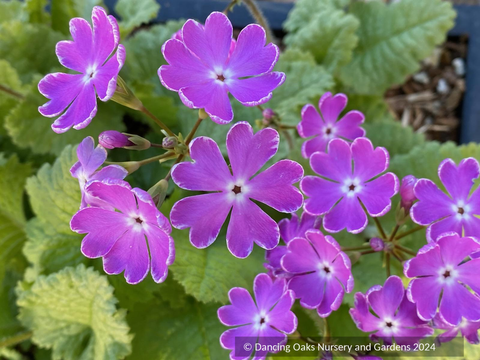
(202,114)
(377,244)
(169,142)
(112,139)
(124,96)
(130,166)
(406,192)
(139,143)
(268,114)
(158,192)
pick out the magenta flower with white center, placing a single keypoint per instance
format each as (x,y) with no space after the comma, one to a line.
(289,229)
(456,211)
(468,329)
(265,321)
(131,235)
(341,189)
(85,169)
(96,59)
(202,70)
(234,190)
(441,276)
(321,272)
(324,126)
(394,316)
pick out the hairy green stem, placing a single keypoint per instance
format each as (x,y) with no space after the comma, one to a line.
(405,250)
(16,339)
(411,231)
(259,17)
(157,120)
(156,158)
(11,92)
(387,264)
(230,6)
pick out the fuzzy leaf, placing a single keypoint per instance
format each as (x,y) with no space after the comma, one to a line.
(392,41)
(12,10)
(135,13)
(373,107)
(10,80)
(54,197)
(305,82)
(73,312)
(329,36)
(63,10)
(29,48)
(29,129)
(163,333)
(396,138)
(13,175)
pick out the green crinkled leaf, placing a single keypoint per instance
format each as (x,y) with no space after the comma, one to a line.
(64,10)
(208,274)
(9,81)
(36,11)
(144,51)
(305,10)
(73,312)
(305,81)
(396,138)
(392,41)
(54,197)
(13,176)
(329,36)
(135,13)
(29,129)
(9,324)
(29,48)
(12,10)
(373,107)
(163,333)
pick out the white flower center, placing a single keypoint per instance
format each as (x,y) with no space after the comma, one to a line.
(447,275)
(351,187)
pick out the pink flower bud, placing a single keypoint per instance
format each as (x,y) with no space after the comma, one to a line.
(406,192)
(112,139)
(377,244)
(268,114)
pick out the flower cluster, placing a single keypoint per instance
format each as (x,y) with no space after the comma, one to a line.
(123,225)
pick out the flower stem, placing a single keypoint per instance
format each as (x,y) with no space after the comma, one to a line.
(405,250)
(259,17)
(397,256)
(380,228)
(356,248)
(368,252)
(11,92)
(156,145)
(394,232)
(157,120)
(326,336)
(16,339)
(166,155)
(387,264)
(411,231)
(230,6)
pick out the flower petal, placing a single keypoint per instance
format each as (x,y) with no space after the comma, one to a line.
(311,123)
(162,252)
(323,194)
(333,298)
(248,224)
(105,79)
(348,127)
(255,90)
(309,288)
(361,315)
(251,57)
(90,157)
(318,143)
(203,214)
(455,249)
(301,257)
(386,301)
(425,292)
(241,312)
(274,186)
(268,292)
(130,253)
(458,180)
(227,340)
(248,152)
(348,213)
(376,194)
(110,172)
(80,113)
(448,224)
(433,204)
(336,164)
(281,317)
(105,34)
(77,55)
(207,172)
(61,89)
(119,195)
(427,262)
(331,106)
(368,162)
(458,302)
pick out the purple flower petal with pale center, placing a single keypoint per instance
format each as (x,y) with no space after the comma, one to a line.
(394,316)
(468,329)
(132,236)
(266,321)
(321,272)
(456,211)
(323,127)
(204,65)
(441,276)
(97,58)
(351,174)
(205,214)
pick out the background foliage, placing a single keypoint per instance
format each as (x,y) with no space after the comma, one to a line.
(77,312)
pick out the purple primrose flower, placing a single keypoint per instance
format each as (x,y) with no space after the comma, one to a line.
(265,321)
(468,329)
(135,238)
(85,169)
(234,190)
(395,317)
(441,276)
(289,229)
(324,126)
(456,212)
(341,187)
(96,58)
(321,272)
(202,70)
